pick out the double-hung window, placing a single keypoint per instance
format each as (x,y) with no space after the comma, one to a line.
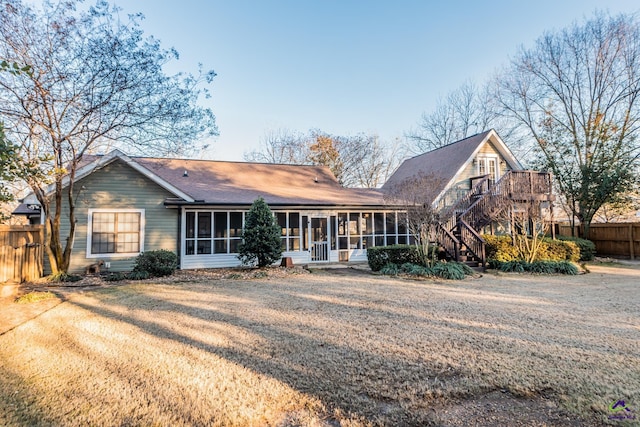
(115,232)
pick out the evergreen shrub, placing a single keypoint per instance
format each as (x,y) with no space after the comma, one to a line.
(261,243)
(587,247)
(379,256)
(157,263)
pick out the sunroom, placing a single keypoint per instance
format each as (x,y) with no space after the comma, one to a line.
(211,237)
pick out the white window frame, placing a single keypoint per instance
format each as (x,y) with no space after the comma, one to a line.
(212,237)
(117,254)
(484,159)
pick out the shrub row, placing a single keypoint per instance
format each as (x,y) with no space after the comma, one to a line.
(445,270)
(501,249)
(540,267)
(587,247)
(380,256)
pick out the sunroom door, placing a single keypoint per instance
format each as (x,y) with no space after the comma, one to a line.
(319,239)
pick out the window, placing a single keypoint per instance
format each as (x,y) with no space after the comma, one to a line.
(115,232)
(291,233)
(235,231)
(281,218)
(391,228)
(488,165)
(366,225)
(362,230)
(209,232)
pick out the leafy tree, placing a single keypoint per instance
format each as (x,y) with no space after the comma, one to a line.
(93,82)
(323,151)
(8,167)
(261,236)
(577,93)
(624,209)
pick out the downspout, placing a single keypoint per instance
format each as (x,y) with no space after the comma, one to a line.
(179,245)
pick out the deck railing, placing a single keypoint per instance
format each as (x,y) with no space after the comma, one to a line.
(485,203)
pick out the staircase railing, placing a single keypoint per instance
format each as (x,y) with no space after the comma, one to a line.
(477,188)
(492,203)
(473,241)
(448,242)
(483,204)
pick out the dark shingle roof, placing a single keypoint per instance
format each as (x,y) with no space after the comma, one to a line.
(218,182)
(444,162)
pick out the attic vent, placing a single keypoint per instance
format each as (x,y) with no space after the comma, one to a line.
(186,173)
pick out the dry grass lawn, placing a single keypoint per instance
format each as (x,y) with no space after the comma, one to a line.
(330,348)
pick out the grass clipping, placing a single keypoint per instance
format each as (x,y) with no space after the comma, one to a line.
(35,296)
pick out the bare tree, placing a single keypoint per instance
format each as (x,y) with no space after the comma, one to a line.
(357,161)
(281,146)
(458,115)
(464,112)
(577,93)
(529,224)
(415,195)
(93,80)
(367,161)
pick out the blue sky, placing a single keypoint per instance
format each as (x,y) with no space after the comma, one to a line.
(344,67)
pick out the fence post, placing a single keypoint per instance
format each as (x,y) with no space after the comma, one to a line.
(631,241)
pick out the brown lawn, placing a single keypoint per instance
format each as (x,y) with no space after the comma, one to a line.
(331,348)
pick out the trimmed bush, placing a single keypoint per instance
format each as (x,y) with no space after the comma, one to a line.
(379,256)
(444,270)
(64,277)
(114,277)
(587,247)
(500,248)
(157,263)
(538,267)
(558,250)
(416,270)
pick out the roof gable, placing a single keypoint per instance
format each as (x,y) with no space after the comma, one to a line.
(91,163)
(448,162)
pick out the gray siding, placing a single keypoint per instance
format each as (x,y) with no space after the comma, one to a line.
(471,169)
(117,186)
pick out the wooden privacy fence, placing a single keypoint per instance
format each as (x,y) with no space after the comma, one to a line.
(21,252)
(614,239)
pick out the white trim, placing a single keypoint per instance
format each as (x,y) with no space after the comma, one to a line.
(111,157)
(119,254)
(503,150)
(485,157)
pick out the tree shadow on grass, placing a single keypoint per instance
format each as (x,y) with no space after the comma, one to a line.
(335,374)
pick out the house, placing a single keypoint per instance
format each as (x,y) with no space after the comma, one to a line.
(480,180)
(196,208)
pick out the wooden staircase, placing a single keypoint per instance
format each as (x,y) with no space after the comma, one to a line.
(460,225)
